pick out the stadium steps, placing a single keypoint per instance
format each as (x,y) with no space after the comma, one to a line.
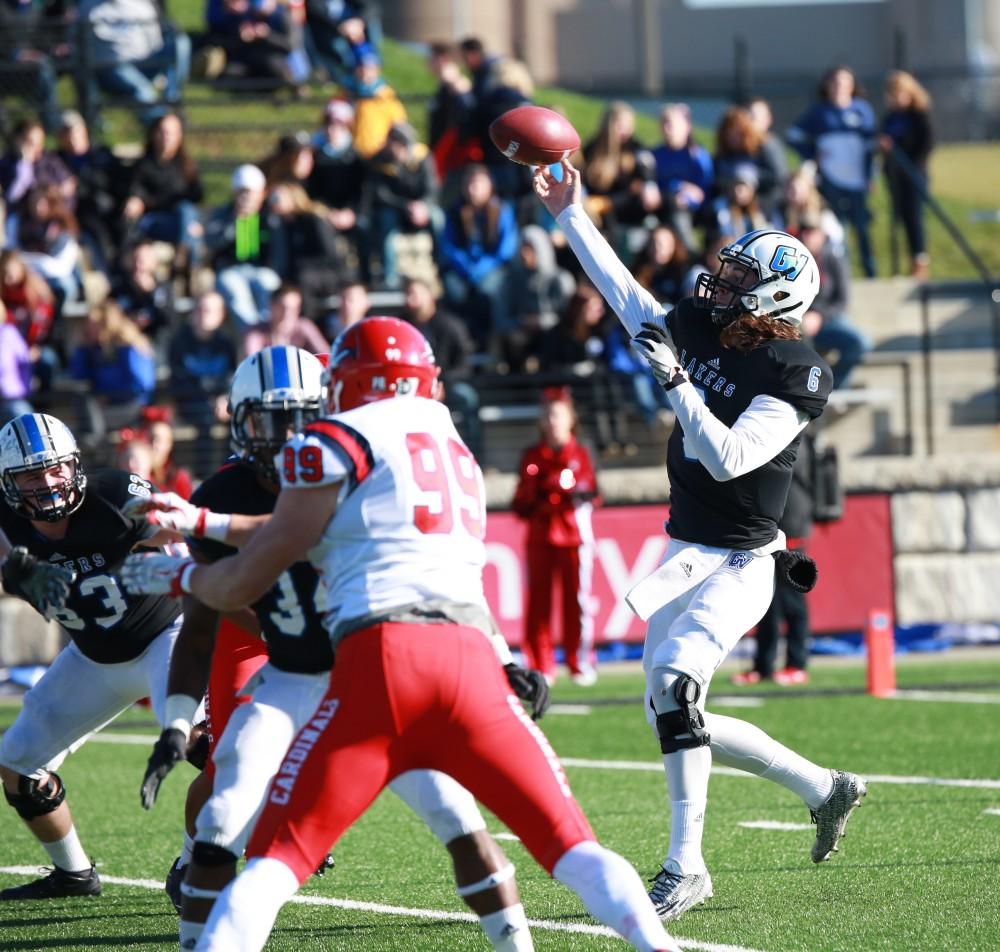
(869,418)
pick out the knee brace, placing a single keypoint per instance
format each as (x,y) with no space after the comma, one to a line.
(212,856)
(34,799)
(684,727)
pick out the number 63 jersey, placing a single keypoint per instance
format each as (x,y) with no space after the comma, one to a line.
(410,523)
(108,625)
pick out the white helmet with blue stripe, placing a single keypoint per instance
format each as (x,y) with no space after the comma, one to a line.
(274,394)
(766,273)
(33,443)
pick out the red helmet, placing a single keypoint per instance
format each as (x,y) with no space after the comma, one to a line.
(376,358)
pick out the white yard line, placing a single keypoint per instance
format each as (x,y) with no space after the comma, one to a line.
(949,697)
(652,766)
(731,700)
(992,811)
(577,709)
(773,825)
(657,767)
(440,914)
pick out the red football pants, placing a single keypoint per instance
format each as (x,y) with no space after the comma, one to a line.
(565,568)
(236,658)
(406,697)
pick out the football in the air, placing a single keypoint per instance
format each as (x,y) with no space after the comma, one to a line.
(534,135)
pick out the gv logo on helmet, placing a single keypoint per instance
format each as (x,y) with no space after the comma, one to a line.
(787,261)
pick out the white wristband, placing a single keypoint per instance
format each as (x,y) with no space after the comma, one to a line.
(184,582)
(179,711)
(216,526)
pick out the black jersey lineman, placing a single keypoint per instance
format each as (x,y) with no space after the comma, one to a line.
(108,625)
(290,619)
(740,513)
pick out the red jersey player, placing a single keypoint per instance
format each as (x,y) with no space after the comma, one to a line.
(389,505)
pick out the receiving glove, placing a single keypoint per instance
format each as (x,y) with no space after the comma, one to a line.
(530,686)
(169,750)
(174,513)
(42,585)
(796,569)
(155,574)
(656,346)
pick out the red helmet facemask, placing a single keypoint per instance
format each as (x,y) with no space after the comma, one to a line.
(376,358)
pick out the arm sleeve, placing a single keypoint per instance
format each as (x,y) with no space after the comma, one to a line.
(761,431)
(628,299)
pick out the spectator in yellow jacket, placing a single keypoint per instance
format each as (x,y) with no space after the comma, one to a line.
(376,106)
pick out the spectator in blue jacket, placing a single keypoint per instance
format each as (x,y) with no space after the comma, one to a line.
(838,133)
(479,240)
(117,363)
(683,171)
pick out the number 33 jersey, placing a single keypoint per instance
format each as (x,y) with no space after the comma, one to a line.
(290,612)
(410,524)
(107,625)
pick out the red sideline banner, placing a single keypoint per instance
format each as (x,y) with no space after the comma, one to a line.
(854,557)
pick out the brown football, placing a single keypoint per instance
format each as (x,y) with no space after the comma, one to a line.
(534,135)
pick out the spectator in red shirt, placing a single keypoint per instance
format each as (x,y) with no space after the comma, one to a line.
(556,492)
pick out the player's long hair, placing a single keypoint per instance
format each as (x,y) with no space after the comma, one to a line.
(748,332)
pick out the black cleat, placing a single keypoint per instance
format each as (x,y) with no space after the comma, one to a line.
(172,887)
(59,884)
(326,863)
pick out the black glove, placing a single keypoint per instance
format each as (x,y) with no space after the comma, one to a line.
(42,585)
(796,569)
(167,751)
(530,686)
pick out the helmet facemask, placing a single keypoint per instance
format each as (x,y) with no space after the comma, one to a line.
(260,428)
(46,503)
(728,294)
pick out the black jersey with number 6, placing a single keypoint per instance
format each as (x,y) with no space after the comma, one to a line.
(107,624)
(291,620)
(740,513)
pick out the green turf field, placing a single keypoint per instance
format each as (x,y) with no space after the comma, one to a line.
(920,868)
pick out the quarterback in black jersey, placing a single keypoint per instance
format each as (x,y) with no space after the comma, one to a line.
(743,386)
(274,394)
(57,521)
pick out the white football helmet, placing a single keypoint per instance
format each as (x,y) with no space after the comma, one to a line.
(766,273)
(274,394)
(33,442)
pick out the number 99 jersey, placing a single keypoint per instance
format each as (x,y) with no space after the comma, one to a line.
(410,524)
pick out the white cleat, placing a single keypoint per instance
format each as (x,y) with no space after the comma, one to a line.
(832,816)
(673,892)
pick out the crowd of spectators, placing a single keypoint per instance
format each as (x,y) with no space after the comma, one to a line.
(190,287)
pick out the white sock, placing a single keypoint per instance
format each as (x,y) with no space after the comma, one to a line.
(185,857)
(190,933)
(687,785)
(68,854)
(687,824)
(740,744)
(244,913)
(507,929)
(614,894)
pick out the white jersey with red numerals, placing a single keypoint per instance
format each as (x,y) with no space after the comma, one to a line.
(411,520)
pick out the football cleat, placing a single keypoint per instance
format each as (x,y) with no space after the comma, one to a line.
(673,892)
(745,678)
(172,886)
(328,862)
(59,884)
(832,816)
